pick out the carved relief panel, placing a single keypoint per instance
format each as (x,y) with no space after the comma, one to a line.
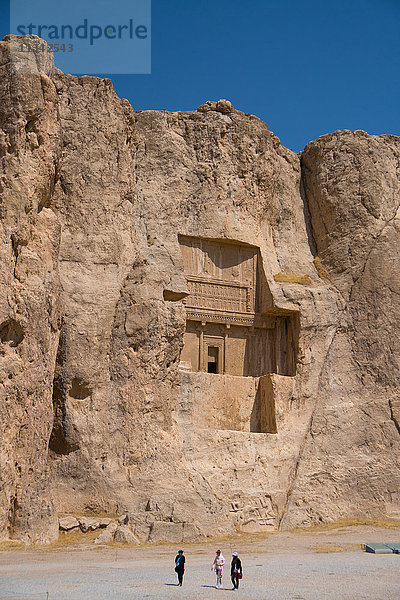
(221,276)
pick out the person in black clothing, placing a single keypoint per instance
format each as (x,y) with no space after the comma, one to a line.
(236,570)
(180,566)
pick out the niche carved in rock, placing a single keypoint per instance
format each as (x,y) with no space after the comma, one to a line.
(11,333)
(232,327)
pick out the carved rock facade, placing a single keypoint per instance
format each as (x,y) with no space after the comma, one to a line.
(171,345)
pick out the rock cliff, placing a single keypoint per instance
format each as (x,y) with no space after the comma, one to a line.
(197,326)
(351,458)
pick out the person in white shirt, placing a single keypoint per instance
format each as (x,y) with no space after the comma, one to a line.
(218,567)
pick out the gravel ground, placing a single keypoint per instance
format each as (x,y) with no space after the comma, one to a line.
(284,566)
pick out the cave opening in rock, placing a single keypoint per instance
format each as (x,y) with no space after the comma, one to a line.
(11,333)
(79,389)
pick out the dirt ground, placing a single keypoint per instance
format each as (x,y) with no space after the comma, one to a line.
(315,564)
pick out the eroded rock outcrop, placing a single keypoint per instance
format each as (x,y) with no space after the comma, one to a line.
(30,295)
(183,354)
(351,459)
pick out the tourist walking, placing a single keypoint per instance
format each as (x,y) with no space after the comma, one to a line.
(218,567)
(236,570)
(180,566)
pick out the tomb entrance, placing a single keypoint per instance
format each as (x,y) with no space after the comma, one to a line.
(231,327)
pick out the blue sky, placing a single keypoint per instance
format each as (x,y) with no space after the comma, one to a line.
(305,67)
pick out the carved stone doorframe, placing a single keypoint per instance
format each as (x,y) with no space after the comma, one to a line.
(213,342)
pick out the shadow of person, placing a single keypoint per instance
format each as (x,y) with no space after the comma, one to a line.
(213,587)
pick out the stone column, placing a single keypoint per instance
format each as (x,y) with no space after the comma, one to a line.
(227,327)
(201,347)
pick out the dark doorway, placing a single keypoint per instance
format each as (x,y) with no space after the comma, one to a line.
(213,359)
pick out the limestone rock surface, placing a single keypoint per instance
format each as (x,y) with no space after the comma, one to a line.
(107,535)
(88,524)
(30,292)
(124,535)
(99,205)
(351,458)
(68,523)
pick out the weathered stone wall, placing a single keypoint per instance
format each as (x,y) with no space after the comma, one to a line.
(351,459)
(248,404)
(30,295)
(93,200)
